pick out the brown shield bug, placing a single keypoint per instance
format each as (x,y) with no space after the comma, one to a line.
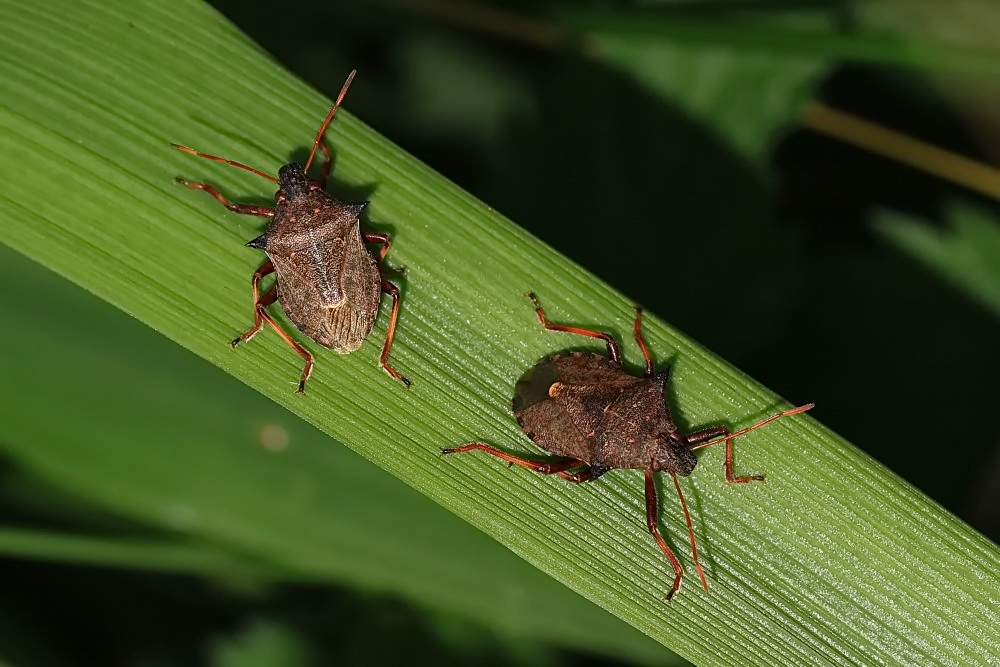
(326,280)
(585,408)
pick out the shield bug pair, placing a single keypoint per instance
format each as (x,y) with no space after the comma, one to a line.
(585,409)
(326,280)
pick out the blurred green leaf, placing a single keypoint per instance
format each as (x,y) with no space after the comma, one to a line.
(747,71)
(483,101)
(130,553)
(746,97)
(827,38)
(968,24)
(237,486)
(262,644)
(966,252)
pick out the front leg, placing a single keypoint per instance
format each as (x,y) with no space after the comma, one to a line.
(244,209)
(710,436)
(715,434)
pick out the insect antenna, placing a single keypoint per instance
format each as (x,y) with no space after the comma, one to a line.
(694,545)
(231,163)
(754,427)
(329,117)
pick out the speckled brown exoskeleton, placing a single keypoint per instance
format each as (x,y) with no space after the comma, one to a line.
(586,409)
(326,280)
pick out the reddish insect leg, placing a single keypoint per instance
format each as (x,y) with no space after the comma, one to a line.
(687,519)
(245,209)
(588,474)
(383,239)
(260,316)
(383,360)
(612,344)
(642,343)
(267,300)
(716,434)
(652,522)
(303,352)
(543,467)
(231,163)
(712,435)
(264,269)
